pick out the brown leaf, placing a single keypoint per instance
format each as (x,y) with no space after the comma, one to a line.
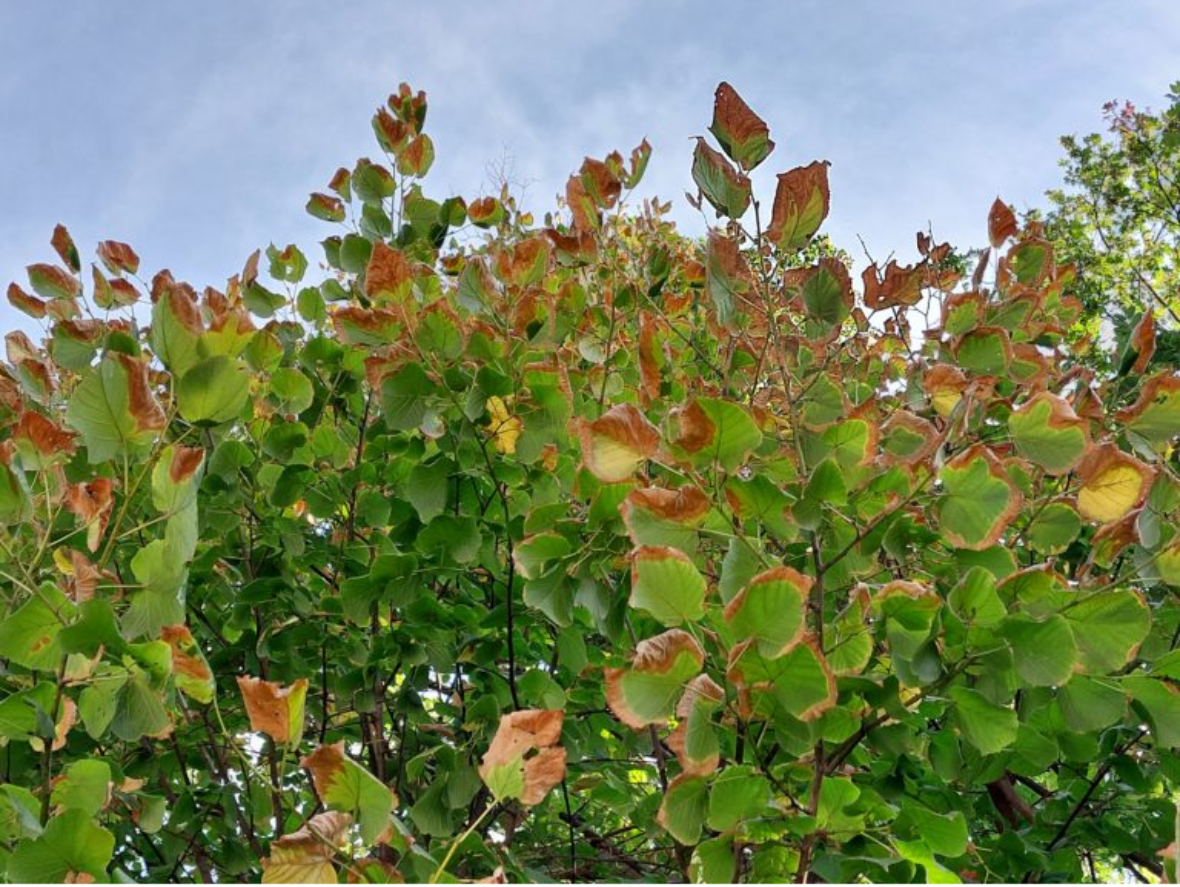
(65,722)
(118,257)
(601,184)
(901,285)
(141,402)
(22,301)
(274,709)
(801,203)
(185,462)
(695,430)
(1001,223)
(1143,341)
(181,640)
(389,275)
(92,503)
(687,505)
(63,245)
(742,133)
(521,733)
(614,444)
(305,856)
(47,438)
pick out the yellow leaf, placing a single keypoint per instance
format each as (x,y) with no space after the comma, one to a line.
(505,427)
(1112,484)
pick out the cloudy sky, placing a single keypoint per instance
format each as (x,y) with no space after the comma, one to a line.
(194,131)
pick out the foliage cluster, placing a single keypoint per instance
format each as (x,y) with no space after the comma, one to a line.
(581,550)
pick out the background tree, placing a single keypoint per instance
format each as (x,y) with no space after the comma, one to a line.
(582,551)
(1118,220)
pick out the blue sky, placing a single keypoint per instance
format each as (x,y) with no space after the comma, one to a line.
(195,131)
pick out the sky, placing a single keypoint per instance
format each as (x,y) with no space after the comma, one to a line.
(195,131)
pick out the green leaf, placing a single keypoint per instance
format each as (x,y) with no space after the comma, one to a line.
(666,584)
(85,785)
(683,811)
(403,397)
(989,727)
(427,488)
(19,711)
(944,833)
(30,635)
(738,794)
(70,845)
(1044,651)
(1108,627)
(1054,528)
(1089,704)
(1162,701)
(291,390)
(213,392)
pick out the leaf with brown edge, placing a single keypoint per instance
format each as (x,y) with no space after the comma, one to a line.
(92,503)
(525,263)
(729,277)
(417,157)
(799,682)
(325,207)
(41,441)
(52,282)
(1001,223)
(944,385)
(274,709)
(728,190)
(770,609)
(907,439)
(367,326)
(1140,346)
(485,212)
(189,667)
(63,245)
(141,402)
(742,134)
(581,205)
(1047,432)
(1155,414)
(801,203)
(25,303)
(979,499)
(118,258)
(666,584)
(687,505)
(345,785)
(389,276)
(1113,483)
(615,444)
(306,856)
(694,741)
(647,691)
(600,183)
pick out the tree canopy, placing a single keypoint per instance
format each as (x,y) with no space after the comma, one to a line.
(576,549)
